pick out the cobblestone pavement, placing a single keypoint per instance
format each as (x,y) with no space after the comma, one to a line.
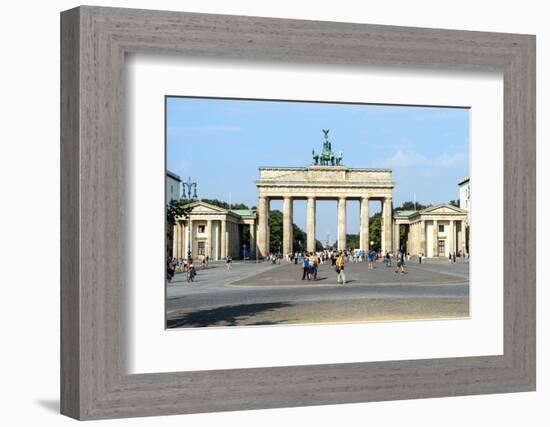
(262,294)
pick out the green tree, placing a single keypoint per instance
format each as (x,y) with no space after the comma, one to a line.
(410,206)
(299,241)
(275,231)
(174,209)
(224,205)
(352,241)
(375,231)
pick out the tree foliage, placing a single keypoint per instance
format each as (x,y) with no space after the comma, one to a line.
(375,231)
(410,206)
(225,205)
(174,209)
(177,208)
(352,241)
(299,241)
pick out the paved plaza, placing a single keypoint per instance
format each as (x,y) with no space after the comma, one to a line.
(263,294)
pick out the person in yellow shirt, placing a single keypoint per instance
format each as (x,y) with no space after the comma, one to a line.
(315,265)
(340,269)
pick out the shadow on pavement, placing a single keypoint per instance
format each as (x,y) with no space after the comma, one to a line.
(224,316)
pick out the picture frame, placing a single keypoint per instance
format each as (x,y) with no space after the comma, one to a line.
(94,381)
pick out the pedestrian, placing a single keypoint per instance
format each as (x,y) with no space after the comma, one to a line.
(420,258)
(315,266)
(454,257)
(228,261)
(169,270)
(400,263)
(340,269)
(305,264)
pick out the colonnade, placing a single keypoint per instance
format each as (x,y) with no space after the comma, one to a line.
(218,242)
(263,240)
(424,236)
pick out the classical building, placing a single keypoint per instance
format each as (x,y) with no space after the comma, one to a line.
(173,186)
(433,232)
(323,182)
(464,191)
(215,232)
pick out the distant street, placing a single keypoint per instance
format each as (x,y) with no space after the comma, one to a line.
(264,294)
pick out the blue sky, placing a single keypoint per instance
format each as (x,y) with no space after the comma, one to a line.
(221,143)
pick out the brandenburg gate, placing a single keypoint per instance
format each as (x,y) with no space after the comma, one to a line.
(324,182)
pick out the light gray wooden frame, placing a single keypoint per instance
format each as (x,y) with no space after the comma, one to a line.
(94,41)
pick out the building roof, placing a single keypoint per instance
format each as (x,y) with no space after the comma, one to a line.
(244,212)
(464,180)
(405,213)
(173,175)
(443,205)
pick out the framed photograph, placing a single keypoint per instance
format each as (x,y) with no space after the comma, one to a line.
(261,213)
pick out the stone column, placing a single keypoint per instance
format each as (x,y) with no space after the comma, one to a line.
(267,228)
(435,233)
(223,239)
(262,243)
(462,240)
(396,246)
(209,239)
(341,223)
(189,238)
(452,246)
(183,231)
(364,227)
(287,226)
(217,257)
(310,220)
(387,225)
(252,234)
(422,240)
(175,237)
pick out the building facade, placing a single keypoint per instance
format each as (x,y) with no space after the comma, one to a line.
(464,193)
(436,231)
(214,232)
(325,182)
(173,186)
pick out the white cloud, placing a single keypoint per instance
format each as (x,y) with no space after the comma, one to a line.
(408,158)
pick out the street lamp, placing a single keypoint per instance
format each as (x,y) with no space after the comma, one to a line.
(189,193)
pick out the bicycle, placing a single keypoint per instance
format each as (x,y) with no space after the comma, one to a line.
(191,275)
